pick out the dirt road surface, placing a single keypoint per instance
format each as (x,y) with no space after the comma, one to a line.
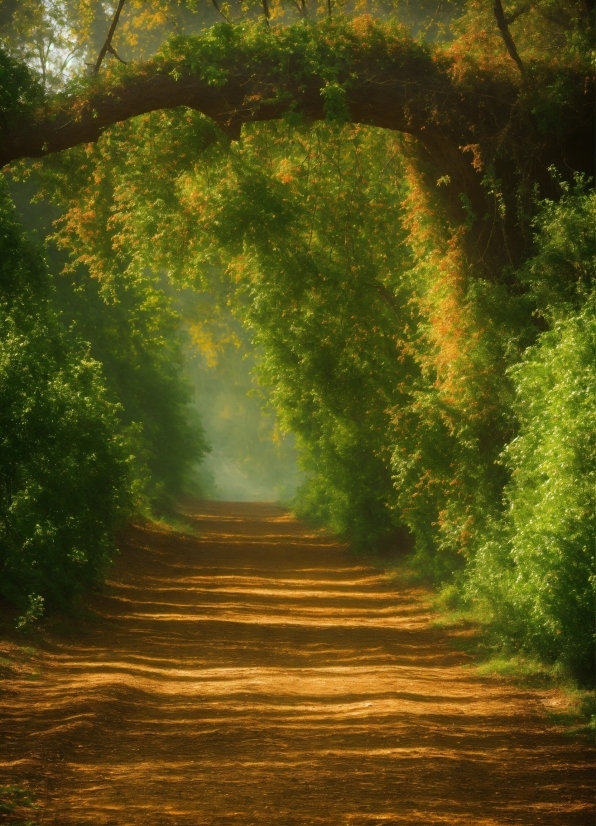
(262,674)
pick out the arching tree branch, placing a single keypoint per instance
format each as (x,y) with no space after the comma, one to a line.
(406,92)
(397,84)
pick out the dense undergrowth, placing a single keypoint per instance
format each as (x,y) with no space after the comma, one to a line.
(437,365)
(95,422)
(64,467)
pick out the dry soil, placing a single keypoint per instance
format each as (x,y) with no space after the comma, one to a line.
(260,673)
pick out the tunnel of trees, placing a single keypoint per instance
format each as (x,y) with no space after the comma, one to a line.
(395,200)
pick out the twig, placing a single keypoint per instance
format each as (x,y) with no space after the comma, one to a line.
(217,8)
(515,14)
(301,8)
(434,17)
(107,46)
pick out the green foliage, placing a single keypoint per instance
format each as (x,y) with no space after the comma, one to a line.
(134,333)
(34,611)
(562,273)
(538,569)
(321,303)
(64,470)
(333,50)
(19,91)
(13,800)
(126,314)
(448,436)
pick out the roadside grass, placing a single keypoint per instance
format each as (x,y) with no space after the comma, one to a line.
(176,523)
(564,702)
(567,704)
(16,804)
(172,520)
(471,630)
(17,661)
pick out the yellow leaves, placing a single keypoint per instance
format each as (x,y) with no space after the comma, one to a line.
(211,343)
(276,435)
(286,171)
(203,341)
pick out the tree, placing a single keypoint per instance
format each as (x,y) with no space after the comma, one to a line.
(487,132)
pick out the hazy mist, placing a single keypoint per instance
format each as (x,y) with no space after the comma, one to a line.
(250,458)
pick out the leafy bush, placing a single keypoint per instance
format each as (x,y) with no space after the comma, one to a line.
(19,90)
(561,274)
(536,566)
(64,468)
(537,571)
(132,332)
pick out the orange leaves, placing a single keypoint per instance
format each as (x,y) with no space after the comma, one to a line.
(363,25)
(477,160)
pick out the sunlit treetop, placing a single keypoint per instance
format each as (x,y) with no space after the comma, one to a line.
(58,37)
(501,97)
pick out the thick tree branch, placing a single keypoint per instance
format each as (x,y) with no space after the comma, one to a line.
(407,100)
(406,104)
(399,86)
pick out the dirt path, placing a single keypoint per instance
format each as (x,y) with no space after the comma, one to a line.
(264,675)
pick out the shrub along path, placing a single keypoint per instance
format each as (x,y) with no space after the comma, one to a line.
(264,675)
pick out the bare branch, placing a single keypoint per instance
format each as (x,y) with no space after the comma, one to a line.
(107,46)
(113,51)
(434,17)
(511,18)
(217,8)
(300,7)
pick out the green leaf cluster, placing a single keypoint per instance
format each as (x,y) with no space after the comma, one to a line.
(64,462)
(19,90)
(535,568)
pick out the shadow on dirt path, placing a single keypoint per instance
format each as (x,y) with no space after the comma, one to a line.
(262,674)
